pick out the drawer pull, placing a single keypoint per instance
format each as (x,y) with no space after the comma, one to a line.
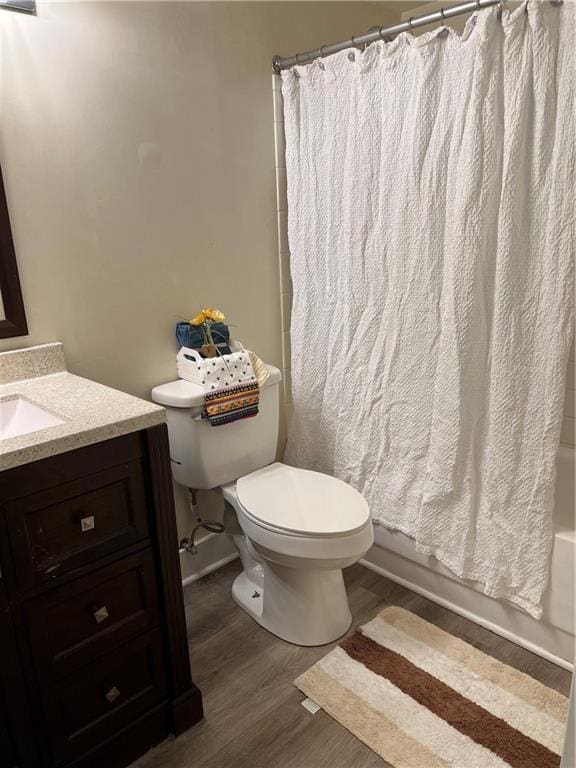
(101,614)
(112,694)
(87,523)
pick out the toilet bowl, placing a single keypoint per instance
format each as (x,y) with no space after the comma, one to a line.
(299,530)
(295,529)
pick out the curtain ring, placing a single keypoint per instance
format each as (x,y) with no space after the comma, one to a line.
(410,20)
(441,17)
(322,54)
(371,31)
(384,38)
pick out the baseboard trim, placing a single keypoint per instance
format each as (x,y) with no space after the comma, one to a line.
(209,568)
(538,650)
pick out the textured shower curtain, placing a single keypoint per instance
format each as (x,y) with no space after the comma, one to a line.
(431,228)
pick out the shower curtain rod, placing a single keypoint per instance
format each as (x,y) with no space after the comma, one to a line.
(382,33)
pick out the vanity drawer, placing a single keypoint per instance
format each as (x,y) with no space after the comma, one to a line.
(92,705)
(67,526)
(72,624)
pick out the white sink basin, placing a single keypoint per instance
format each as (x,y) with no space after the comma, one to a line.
(19,416)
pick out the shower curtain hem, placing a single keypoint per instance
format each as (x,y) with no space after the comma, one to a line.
(531,607)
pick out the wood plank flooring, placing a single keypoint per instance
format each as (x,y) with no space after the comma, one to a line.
(253,715)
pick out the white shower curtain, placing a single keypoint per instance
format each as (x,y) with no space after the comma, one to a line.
(431,228)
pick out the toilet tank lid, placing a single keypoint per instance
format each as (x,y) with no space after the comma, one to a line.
(185,394)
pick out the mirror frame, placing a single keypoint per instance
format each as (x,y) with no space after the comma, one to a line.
(21,6)
(14,321)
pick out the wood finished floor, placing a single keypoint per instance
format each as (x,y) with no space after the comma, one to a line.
(253,715)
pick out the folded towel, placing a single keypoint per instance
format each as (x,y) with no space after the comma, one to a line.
(260,369)
(192,336)
(231,389)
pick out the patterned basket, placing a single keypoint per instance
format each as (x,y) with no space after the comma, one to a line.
(192,366)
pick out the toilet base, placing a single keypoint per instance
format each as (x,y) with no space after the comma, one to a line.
(304,607)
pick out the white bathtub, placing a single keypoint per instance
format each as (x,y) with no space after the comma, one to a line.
(394,556)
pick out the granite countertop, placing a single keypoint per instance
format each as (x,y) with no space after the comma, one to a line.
(92,412)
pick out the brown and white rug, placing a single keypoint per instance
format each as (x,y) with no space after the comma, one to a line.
(422,698)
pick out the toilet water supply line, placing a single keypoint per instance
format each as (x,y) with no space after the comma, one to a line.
(187,544)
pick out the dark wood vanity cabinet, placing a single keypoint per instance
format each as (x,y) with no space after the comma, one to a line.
(94,665)
(13,707)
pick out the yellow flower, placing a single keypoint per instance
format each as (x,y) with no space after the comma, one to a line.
(199,319)
(214,314)
(208,314)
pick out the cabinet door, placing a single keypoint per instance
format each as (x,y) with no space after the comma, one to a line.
(90,706)
(17,737)
(7,751)
(65,527)
(74,623)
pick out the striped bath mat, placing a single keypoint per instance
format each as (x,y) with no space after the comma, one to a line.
(421,698)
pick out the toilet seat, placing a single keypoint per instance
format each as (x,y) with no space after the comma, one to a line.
(301,503)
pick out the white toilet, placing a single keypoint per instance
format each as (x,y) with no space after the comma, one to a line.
(295,529)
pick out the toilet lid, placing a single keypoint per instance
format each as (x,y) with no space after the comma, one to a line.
(302,501)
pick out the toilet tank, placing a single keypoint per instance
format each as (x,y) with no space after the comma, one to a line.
(203,456)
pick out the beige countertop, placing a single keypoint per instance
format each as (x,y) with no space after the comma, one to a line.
(92,412)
